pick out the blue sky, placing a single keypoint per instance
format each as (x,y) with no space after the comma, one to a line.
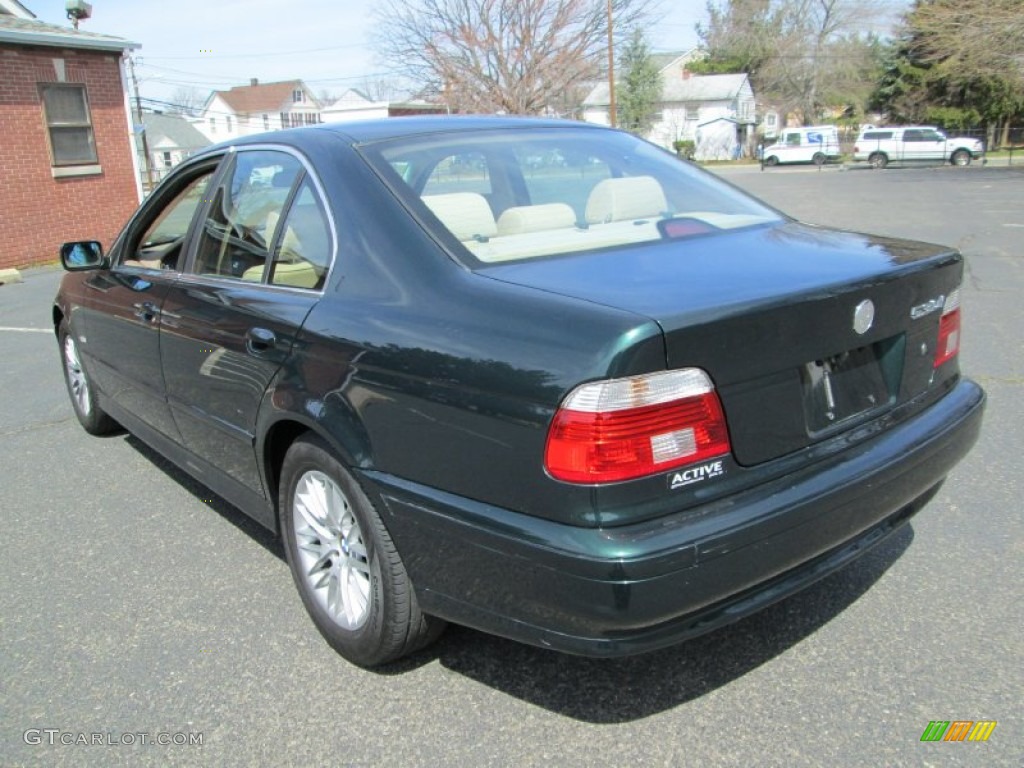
(214,44)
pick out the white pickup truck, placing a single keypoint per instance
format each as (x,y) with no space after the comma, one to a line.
(914,143)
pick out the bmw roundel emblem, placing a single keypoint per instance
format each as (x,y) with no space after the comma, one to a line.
(863,316)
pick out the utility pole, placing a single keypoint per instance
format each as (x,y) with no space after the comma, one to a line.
(611,70)
(138,113)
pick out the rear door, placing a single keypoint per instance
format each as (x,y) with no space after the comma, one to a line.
(257,265)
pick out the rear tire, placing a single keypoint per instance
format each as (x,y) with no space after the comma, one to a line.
(818,159)
(346,568)
(878,160)
(81,391)
(961,157)
(771,161)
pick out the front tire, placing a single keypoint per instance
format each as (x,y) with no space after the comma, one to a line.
(961,157)
(345,566)
(93,419)
(771,161)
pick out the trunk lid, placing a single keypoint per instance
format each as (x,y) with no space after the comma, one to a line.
(779,317)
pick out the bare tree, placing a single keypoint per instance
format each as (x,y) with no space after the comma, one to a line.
(187,101)
(802,54)
(513,56)
(381,89)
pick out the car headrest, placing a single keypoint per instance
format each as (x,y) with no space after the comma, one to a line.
(535,218)
(622,199)
(466,214)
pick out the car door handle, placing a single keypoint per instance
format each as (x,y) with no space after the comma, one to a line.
(146,310)
(259,340)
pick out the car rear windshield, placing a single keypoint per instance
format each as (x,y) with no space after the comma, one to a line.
(511,194)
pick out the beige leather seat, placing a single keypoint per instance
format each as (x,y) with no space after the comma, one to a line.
(465,214)
(304,253)
(624,199)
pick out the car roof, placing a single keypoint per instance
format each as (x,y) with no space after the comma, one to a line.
(366,131)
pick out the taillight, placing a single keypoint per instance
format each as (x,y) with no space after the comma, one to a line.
(607,431)
(949,330)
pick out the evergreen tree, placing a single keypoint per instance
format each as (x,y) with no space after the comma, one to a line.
(641,90)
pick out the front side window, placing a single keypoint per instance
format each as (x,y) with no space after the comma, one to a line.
(513,194)
(244,215)
(793,139)
(66,110)
(163,230)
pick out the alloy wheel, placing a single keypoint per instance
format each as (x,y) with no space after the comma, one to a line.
(332,554)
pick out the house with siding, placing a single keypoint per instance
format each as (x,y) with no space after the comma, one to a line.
(688,103)
(67,160)
(258,107)
(171,139)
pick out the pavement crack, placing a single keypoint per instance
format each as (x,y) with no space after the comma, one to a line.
(35,427)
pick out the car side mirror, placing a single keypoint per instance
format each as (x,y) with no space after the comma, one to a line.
(81,255)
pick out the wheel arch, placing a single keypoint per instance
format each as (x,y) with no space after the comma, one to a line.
(279,435)
(58,318)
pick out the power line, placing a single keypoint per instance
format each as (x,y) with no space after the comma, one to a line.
(262,55)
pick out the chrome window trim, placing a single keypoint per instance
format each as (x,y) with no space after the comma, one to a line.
(318,186)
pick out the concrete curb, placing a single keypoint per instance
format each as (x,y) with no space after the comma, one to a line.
(9,276)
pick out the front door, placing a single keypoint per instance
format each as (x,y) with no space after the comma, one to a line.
(121,317)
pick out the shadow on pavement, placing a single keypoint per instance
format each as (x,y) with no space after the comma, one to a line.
(612,690)
(624,690)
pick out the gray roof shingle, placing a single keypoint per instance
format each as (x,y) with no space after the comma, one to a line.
(38,33)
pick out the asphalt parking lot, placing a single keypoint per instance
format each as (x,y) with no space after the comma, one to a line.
(139,607)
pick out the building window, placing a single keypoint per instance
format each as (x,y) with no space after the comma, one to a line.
(227,121)
(66,109)
(297,95)
(213,125)
(266,122)
(167,160)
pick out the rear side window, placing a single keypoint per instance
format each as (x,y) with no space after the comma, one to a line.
(876,135)
(302,252)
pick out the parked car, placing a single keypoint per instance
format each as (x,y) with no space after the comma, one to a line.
(816,144)
(581,409)
(914,143)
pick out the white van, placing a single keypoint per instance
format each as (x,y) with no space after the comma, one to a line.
(810,144)
(914,143)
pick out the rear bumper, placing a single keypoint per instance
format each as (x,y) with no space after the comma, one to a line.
(635,588)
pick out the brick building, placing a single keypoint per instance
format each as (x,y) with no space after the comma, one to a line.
(68,168)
